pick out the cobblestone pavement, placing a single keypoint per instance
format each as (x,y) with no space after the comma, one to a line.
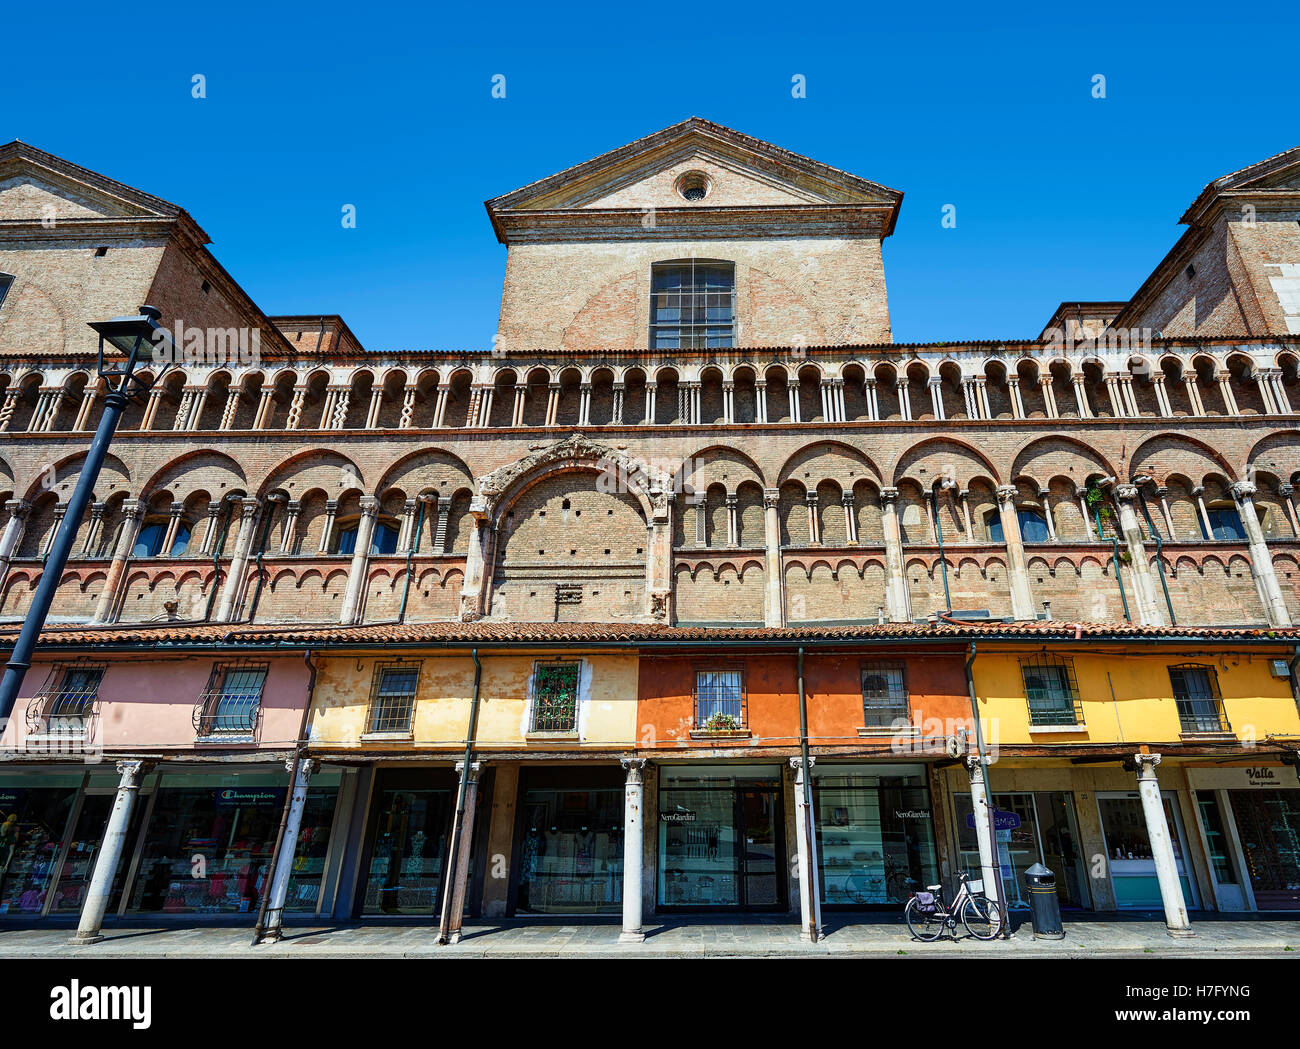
(847,936)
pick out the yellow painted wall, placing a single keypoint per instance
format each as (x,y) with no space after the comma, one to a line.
(607,701)
(1143,709)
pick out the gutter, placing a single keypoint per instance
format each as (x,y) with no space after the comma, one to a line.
(458,826)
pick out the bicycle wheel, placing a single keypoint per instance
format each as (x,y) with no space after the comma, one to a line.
(982,918)
(925,927)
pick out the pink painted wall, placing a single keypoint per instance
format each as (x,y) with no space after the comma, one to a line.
(148,702)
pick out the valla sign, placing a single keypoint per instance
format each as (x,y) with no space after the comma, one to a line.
(1263,777)
(677,817)
(1001,820)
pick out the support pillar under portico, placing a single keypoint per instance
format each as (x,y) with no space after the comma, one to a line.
(633,850)
(1162,847)
(110,854)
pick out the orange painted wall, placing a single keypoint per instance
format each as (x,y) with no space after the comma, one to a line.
(936,685)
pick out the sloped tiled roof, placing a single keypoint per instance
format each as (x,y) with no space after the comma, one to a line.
(495,634)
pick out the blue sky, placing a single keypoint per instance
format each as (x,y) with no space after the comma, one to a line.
(310,107)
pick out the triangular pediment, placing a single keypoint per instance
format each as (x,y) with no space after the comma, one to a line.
(1277,177)
(738,172)
(38,186)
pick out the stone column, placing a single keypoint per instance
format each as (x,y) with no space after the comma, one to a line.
(936,398)
(659,558)
(7,409)
(981,807)
(151,408)
(372,410)
(904,398)
(760,400)
(279,883)
(354,593)
(814,522)
(1163,494)
(13,533)
(1224,379)
(440,407)
(633,848)
(1287,491)
(231,592)
(1199,492)
(617,417)
(48,542)
(733,524)
(82,421)
(440,528)
(810,904)
(471,591)
(552,403)
(1049,397)
(295,408)
(728,402)
(850,519)
(92,529)
(210,528)
(404,537)
(110,853)
(1150,612)
(407,418)
(1081,397)
(873,405)
(327,529)
(584,404)
(1045,497)
(898,601)
(1162,846)
(265,408)
(229,409)
(792,390)
(1261,559)
(174,512)
(651,391)
(774,604)
(1017,404)
(1022,598)
(1162,395)
(105,607)
(454,894)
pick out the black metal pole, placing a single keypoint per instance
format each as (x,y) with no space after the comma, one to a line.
(21,657)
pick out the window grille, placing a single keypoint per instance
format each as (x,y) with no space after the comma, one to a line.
(392,697)
(884,694)
(719,699)
(691,305)
(67,705)
(1196,692)
(232,702)
(1052,691)
(555,697)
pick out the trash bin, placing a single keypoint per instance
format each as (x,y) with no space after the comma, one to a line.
(1044,906)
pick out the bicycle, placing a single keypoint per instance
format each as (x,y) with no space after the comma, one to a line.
(928,918)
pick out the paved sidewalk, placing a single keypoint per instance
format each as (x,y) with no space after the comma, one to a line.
(847,937)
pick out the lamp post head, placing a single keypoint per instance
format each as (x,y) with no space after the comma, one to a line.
(125,337)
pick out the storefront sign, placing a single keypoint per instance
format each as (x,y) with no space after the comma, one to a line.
(235,796)
(1265,776)
(677,817)
(1001,820)
(911,814)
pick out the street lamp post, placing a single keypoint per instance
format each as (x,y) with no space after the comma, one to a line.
(126,336)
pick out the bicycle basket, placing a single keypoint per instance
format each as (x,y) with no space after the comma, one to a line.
(925,902)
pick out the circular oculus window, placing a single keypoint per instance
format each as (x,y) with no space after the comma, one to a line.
(693,186)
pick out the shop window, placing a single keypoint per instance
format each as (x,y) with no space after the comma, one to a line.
(691,305)
(392,698)
(231,705)
(67,704)
(884,694)
(1052,691)
(555,697)
(719,700)
(1196,692)
(6,282)
(1225,524)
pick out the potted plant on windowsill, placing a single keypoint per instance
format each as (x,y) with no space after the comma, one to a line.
(721,724)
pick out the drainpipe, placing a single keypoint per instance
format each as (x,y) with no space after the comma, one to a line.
(229,499)
(808,869)
(999,893)
(938,532)
(1119,579)
(410,554)
(259,930)
(1160,545)
(458,825)
(261,553)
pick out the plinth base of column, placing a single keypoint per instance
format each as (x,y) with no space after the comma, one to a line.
(627,936)
(1181,934)
(84,941)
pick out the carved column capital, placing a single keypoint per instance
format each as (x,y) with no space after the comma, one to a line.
(1243,490)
